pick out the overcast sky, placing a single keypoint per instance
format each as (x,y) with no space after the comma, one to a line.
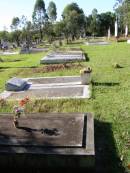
(17,8)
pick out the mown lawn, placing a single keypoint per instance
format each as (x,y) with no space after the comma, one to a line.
(110,102)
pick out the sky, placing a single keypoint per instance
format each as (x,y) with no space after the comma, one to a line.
(17,8)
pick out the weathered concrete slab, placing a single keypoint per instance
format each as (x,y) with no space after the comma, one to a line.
(9,53)
(98,43)
(63,57)
(58,87)
(55,92)
(57,80)
(65,139)
(15,84)
(33,50)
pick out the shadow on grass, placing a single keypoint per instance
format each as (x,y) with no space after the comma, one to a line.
(86,56)
(106,160)
(109,84)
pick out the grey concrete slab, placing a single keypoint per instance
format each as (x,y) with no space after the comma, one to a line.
(54,80)
(66,139)
(58,87)
(100,43)
(15,84)
(63,57)
(9,53)
(55,92)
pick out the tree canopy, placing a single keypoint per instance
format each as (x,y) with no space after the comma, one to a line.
(52,11)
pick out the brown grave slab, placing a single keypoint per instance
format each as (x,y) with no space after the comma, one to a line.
(50,139)
(63,132)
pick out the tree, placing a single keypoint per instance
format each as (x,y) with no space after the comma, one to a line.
(26,35)
(94,22)
(122,10)
(15,26)
(106,21)
(74,21)
(39,16)
(15,23)
(51,11)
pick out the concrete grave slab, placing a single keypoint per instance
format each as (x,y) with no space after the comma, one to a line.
(59,87)
(98,43)
(66,139)
(55,92)
(63,57)
(9,53)
(15,84)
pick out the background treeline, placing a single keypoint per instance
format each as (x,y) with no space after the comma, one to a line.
(73,24)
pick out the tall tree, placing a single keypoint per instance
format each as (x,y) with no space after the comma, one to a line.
(52,11)
(94,21)
(39,16)
(15,26)
(74,20)
(122,10)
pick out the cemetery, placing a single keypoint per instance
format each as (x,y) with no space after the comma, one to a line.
(64,90)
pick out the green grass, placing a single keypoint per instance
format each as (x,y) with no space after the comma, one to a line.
(110,102)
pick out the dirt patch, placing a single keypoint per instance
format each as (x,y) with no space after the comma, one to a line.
(56,67)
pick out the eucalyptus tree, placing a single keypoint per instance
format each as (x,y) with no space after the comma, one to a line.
(26,27)
(52,11)
(74,21)
(15,27)
(122,10)
(39,16)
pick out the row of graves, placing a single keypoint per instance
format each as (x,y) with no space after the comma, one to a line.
(49,139)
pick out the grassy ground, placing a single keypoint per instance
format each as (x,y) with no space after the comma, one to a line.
(110,102)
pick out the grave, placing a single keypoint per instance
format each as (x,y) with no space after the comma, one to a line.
(15,84)
(54,140)
(34,50)
(63,57)
(9,53)
(94,43)
(25,49)
(65,87)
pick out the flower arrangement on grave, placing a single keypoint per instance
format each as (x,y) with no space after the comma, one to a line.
(18,110)
(85,74)
(86,70)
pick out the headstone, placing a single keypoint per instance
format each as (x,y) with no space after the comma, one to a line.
(24,49)
(15,84)
(60,140)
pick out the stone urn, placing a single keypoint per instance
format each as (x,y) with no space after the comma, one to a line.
(85,75)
